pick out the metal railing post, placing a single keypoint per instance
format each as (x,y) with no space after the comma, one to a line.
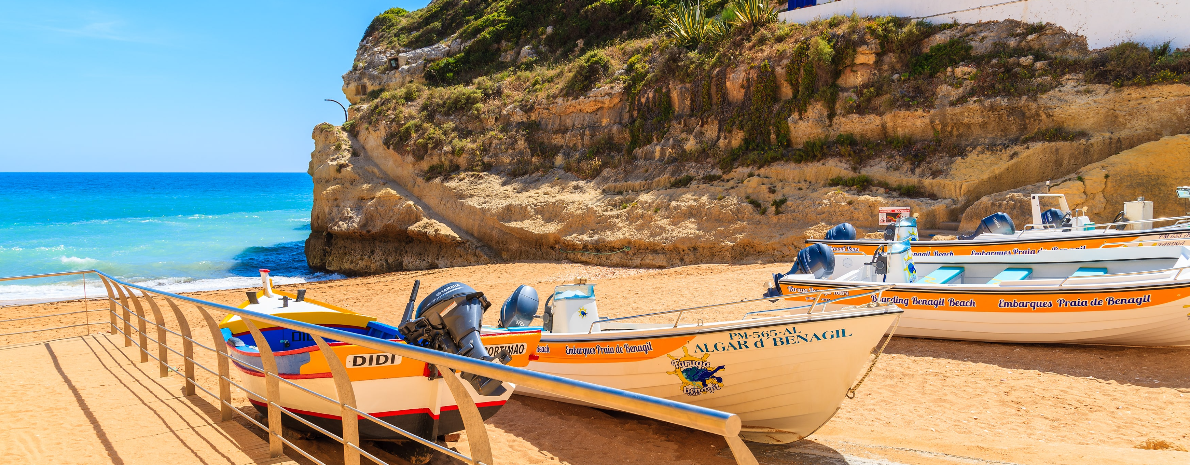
(477,434)
(162,352)
(272,388)
(111,302)
(221,360)
(140,324)
(346,396)
(187,347)
(127,315)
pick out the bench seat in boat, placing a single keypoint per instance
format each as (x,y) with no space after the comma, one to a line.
(1089,271)
(1012,274)
(942,275)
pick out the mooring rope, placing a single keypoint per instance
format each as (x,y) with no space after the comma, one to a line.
(851,392)
(625,249)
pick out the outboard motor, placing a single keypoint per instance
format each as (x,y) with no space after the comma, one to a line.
(449,320)
(841,232)
(520,308)
(996,223)
(1054,217)
(816,259)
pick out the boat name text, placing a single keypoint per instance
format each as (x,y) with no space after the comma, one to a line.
(770,338)
(372,360)
(613,349)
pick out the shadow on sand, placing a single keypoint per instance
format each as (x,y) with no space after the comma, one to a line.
(1140,366)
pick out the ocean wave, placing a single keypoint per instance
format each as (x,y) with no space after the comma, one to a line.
(78,261)
(29,294)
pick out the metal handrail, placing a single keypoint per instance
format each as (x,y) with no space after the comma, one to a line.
(1133,273)
(678,311)
(702,307)
(1146,241)
(879,291)
(717,422)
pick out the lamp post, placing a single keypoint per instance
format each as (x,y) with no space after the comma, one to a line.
(340,106)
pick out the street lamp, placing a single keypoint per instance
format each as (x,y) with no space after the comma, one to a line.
(340,106)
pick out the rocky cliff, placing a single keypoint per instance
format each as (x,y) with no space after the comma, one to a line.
(636,150)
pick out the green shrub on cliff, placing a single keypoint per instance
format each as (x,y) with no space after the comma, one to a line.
(940,57)
(491,29)
(591,67)
(1130,63)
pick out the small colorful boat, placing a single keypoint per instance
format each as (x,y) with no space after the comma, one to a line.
(1122,296)
(783,371)
(403,392)
(1051,229)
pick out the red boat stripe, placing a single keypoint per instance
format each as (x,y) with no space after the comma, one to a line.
(385,414)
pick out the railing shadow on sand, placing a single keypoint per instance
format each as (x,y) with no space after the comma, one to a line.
(131,315)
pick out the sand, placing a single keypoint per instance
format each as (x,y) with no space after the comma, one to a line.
(927,402)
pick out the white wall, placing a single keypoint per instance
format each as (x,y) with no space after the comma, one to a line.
(1103,22)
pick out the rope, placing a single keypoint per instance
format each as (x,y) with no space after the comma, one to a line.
(625,249)
(851,392)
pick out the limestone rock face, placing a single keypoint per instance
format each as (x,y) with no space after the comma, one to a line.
(1152,170)
(374,68)
(382,204)
(361,224)
(985,37)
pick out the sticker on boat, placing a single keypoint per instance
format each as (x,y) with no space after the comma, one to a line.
(696,374)
(498,350)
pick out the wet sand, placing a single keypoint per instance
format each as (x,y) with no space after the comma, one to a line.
(927,402)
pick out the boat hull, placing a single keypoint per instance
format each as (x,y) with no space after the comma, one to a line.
(1139,315)
(401,402)
(785,377)
(395,389)
(851,255)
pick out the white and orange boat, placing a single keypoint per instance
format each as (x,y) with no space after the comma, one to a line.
(1125,296)
(783,371)
(403,392)
(1052,229)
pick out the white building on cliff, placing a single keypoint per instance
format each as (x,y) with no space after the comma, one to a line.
(1102,22)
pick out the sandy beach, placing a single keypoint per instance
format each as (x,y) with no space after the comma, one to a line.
(927,402)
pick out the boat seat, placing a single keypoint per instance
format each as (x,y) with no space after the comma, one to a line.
(1012,274)
(943,275)
(380,330)
(1085,271)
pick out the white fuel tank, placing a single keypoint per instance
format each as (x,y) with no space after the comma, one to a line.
(574,309)
(1139,210)
(900,263)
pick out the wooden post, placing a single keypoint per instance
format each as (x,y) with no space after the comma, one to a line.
(187,347)
(127,316)
(346,395)
(162,351)
(477,434)
(272,389)
(140,324)
(224,369)
(111,302)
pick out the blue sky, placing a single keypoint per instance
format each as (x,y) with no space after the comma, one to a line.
(173,86)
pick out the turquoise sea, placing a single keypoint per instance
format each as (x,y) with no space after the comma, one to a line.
(173,231)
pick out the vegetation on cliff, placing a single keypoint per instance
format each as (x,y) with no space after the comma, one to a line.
(672,66)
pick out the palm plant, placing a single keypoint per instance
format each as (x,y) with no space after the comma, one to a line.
(751,14)
(687,24)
